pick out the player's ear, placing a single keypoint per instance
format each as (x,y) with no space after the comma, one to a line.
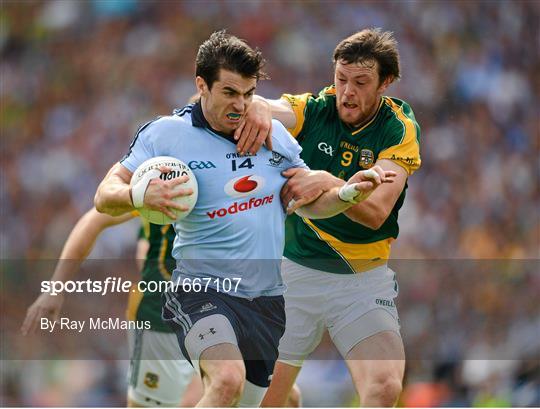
(200,83)
(388,80)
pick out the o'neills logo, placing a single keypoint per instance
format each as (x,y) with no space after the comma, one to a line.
(237,207)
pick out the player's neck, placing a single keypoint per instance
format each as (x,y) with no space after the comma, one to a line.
(200,120)
(212,123)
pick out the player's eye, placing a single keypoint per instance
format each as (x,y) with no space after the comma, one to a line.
(360,83)
(342,80)
(250,94)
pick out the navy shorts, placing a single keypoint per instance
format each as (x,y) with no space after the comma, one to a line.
(258,324)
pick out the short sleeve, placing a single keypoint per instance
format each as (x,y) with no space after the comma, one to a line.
(140,148)
(309,109)
(285,145)
(298,104)
(403,136)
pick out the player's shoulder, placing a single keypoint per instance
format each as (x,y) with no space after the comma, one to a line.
(280,135)
(184,112)
(397,121)
(283,142)
(180,117)
(324,103)
(328,92)
(398,108)
(179,120)
(327,95)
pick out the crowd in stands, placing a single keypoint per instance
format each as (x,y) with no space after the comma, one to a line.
(78,78)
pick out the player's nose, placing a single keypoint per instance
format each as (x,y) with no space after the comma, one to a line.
(348,90)
(239,104)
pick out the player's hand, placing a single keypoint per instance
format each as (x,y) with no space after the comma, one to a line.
(366,181)
(255,128)
(305,186)
(46,306)
(160,194)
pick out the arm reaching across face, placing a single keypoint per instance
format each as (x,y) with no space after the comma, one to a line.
(256,127)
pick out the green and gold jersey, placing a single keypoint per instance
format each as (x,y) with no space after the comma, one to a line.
(158,266)
(338,244)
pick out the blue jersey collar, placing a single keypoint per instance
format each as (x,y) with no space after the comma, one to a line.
(198,120)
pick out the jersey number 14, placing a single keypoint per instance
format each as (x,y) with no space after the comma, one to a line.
(245,164)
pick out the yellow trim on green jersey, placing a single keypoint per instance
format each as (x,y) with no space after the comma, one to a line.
(163,253)
(330,90)
(134,300)
(370,121)
(146,228)
(407,152)
(298,104)
(359,257)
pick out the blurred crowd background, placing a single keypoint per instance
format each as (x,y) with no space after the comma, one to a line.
(78,77)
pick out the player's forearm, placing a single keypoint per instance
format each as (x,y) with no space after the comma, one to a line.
(368,213)
(113,197)
(327,205)
(374,211)
(81,242)
(77,247)
(142,250)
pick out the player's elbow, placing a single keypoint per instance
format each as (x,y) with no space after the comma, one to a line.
(99,202)
(377,219)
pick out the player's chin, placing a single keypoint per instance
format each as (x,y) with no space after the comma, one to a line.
(349,116)
(232,126)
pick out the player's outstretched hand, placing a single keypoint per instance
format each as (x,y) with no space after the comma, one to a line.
(364,182)
(46,306)
(160,194)
(304,186)
(255,128)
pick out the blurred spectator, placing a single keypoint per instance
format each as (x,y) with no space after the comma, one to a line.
(77,78)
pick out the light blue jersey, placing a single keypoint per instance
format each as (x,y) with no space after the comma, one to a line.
(236,229)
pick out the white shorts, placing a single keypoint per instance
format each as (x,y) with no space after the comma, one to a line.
(352,307)
(158,373)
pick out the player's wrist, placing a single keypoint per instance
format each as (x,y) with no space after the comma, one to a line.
(138,190)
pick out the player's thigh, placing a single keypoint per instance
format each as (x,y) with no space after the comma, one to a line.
(200,320)
(361,306)
(379,359)
(304,306)
(222,361)
(282,383)
(158,375)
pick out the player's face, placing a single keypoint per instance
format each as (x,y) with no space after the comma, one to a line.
(225,104)
(358,91)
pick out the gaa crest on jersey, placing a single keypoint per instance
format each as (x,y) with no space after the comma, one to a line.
(366,158)
(276,159)
(151,380)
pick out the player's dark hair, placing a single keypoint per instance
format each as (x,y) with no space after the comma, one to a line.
(226,51)
(371,44)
